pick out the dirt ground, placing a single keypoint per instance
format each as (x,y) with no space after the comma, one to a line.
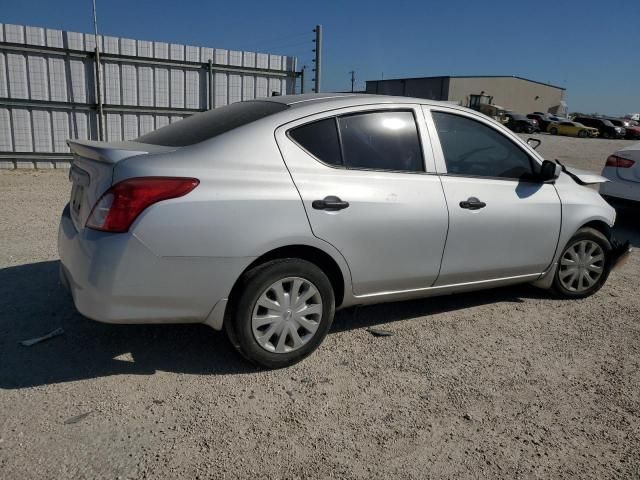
(508,383)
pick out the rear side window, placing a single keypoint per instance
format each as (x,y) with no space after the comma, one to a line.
(386,140)
(320,139)
(473,149)
(381,141)
(206,125)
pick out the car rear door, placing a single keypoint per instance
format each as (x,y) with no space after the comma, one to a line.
(367,180)
(503,223)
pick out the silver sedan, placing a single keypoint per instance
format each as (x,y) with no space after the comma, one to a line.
(263,217)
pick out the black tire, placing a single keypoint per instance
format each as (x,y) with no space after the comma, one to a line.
(593,235)
(606,135)
(253,284)
(553,131)
(582,134)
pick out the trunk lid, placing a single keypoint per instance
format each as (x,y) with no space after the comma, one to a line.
(91,172)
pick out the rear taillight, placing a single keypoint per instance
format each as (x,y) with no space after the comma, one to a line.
(116,210)
(618,162)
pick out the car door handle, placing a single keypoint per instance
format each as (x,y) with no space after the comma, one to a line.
(472,203)
(330,203)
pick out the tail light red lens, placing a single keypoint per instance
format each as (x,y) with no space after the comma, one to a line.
(618,162)
(119,206)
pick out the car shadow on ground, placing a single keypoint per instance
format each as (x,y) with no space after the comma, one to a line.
(627,224)
(34,303)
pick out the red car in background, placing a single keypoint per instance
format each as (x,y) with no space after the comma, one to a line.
(632,127)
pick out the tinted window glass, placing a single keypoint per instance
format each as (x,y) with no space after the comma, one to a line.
(381,141)
(320,139)
(202,126)
(474,149)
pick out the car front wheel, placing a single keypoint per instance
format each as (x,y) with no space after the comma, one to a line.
(283,312)
(584,264)
(553,131)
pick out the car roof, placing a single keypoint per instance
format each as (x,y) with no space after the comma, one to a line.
(328,100)
(314,103)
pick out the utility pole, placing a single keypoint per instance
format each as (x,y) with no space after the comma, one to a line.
(304,67)
(353,79)
(318,59)
(98,76)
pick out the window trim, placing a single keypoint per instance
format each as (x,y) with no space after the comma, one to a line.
(409,109)
(441,165)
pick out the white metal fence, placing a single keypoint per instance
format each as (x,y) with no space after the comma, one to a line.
(48,88)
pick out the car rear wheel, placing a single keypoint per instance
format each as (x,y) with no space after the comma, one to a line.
(553,131)
(582,133)
(584,264)
(283,312)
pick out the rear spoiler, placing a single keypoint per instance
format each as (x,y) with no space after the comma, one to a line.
(582,177)
(113,152)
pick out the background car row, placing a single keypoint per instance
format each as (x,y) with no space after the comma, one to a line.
(585,126)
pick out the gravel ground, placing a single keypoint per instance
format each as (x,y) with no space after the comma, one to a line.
(508,383)
(586,153)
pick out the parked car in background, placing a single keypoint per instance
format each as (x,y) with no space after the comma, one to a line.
(263,217)
(521,124)
(572,129)
(632,131)
(543,120)
(604,126)
(623,172)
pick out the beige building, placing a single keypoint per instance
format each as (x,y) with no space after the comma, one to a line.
(512,93)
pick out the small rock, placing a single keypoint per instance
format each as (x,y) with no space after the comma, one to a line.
(376,332)
(77,418)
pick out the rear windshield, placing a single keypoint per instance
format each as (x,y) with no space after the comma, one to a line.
(203,126)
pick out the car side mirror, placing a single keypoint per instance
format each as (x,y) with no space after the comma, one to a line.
(549,170)
(533,142)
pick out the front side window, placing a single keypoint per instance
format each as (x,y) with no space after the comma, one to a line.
(472,148)
(381,141)
(386,140)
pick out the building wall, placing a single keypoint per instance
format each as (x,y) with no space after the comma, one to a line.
(434,88)
(48,88)
(515,94)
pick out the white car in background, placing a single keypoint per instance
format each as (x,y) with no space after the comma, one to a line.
(623,172)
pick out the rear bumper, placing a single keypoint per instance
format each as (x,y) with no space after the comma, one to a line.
(115,278)
(619,188)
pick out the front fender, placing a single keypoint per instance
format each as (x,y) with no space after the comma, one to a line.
(580,206)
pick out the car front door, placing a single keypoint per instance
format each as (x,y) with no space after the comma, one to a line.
(367,180)
(503,222)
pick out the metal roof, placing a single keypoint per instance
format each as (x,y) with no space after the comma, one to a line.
(471,76)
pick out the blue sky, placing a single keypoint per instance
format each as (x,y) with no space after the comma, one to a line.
(587,46)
